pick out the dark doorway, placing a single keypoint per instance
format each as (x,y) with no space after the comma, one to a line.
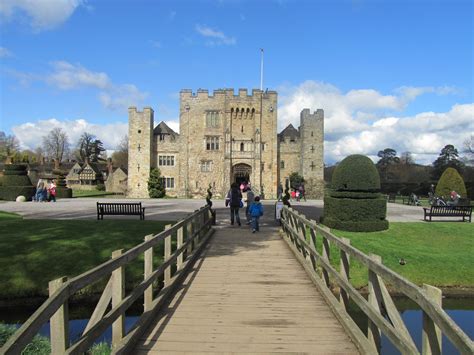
(241,173)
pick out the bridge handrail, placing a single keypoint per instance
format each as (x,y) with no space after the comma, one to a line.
(295,226)
(198,225)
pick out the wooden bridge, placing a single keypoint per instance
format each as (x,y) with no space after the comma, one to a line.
(225,290)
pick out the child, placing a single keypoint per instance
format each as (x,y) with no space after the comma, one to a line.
(255,211)
(52,191)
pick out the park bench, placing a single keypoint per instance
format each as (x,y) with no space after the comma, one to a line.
(120,208)
(448,211)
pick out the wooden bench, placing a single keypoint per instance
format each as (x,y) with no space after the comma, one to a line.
(120,208)
(449,211)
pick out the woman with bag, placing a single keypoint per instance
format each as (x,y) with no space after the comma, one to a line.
(234,199)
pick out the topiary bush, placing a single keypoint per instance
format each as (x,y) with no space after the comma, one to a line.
(62,191)
(16,182)
(354,202)
(449,181)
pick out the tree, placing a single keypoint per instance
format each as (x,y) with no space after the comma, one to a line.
(91,148)
(156,188)
(120,156)
(9,145)
(56,144)
(468,150)
(406,158)
(296,180)
(448,158)
(387,156)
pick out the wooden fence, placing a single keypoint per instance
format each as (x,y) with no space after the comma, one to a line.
(380,309)
(190,236)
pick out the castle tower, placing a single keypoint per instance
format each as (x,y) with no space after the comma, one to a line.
(140,144)
(312,152)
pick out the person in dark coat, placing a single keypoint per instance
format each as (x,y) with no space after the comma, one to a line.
(234,199)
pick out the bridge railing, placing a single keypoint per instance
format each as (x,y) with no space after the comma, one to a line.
(189,235)
(383,316)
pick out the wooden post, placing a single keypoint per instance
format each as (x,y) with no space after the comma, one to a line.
(179,261)
(167,256)
(373,333)
(431,339)
(148,270)
(344,271)
(59,323)
(312,243)
(118,293)
(326,256)
(189,235)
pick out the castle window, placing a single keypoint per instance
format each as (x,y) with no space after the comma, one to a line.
(165,160)
(242,146)
(162,137)
(311,133)
(139,131)
(263,147)
(212,143)
(282,164)
(242,129)
(212,119)
(262,166)
(168,182)
(206,165)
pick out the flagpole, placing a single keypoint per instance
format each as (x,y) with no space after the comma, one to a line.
(261,69)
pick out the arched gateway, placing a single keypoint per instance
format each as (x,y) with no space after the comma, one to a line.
(241,173)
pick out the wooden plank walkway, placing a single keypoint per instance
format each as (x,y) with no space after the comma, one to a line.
(246,294)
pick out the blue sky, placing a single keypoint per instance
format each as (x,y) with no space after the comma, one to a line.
(393,74)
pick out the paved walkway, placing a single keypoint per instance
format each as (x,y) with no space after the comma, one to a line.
(247,294)
(175,209)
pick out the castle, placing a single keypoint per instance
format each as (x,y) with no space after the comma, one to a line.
(225,138)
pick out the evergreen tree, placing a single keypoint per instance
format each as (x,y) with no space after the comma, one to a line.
(448,158)
(156,188)
(296,180)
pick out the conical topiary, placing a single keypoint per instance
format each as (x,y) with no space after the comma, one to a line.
(16,183)
(449,181)
(354,202)
(62,191)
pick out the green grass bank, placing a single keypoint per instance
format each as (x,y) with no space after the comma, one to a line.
(33,252)
(437,253)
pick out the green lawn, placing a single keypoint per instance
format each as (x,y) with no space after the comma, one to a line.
(90,193)
(437,253)
(33,252)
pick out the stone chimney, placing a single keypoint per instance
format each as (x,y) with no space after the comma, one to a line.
(110,166)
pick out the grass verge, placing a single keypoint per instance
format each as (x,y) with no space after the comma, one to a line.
(90,193)
(33,252)
(437,253)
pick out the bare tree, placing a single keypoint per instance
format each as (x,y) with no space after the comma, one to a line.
(120,156)
(406,158)
(8,145)
(468,150)
(56,144)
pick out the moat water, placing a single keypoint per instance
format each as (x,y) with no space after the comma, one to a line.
(460,310)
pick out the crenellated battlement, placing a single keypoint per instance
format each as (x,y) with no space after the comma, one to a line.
(229,92)
(306,117)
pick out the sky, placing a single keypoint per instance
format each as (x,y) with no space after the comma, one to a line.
(388,74)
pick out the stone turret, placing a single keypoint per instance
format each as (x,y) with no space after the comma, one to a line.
(140,158)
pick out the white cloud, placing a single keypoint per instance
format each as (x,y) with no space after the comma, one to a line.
(67,76)
(5,53)
(39,14)
(120,97)
(357,121)
(30,134)
(215,37)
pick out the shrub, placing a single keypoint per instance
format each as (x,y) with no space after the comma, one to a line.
(356,173)
(354,203)
(155,184)
(63,192)
(39,345)
(10,193)
(16,182)
(449,181)
(100,187)
(101,348)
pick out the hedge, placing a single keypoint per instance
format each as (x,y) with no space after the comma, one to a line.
(63,192)
(354,194)
(356,173)
(355,226)
(347,209)
(16,180)
(10,193)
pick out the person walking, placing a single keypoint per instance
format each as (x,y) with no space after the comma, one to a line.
(256,211)
(234,199)
(249,200)
(40,188)
(52,191)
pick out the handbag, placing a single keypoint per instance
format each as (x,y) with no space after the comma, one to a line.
(241,204)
